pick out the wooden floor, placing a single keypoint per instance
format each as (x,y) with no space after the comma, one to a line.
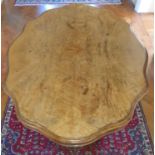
(14,19)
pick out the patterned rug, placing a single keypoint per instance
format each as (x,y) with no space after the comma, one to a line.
(38,2)
(134,139)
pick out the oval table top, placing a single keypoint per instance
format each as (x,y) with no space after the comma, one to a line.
(76,74)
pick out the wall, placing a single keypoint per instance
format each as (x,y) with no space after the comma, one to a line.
(144,6)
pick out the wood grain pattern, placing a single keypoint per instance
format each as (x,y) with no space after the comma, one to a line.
(75,73)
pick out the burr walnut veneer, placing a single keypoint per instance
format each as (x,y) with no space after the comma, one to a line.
(76,73)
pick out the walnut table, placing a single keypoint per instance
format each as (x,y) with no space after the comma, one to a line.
(76,74)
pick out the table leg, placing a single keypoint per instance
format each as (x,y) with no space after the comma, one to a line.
(74,151)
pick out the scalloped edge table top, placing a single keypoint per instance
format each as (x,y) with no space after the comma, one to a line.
(76,74)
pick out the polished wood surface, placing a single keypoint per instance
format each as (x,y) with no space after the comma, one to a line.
(85,82)
(14,18)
